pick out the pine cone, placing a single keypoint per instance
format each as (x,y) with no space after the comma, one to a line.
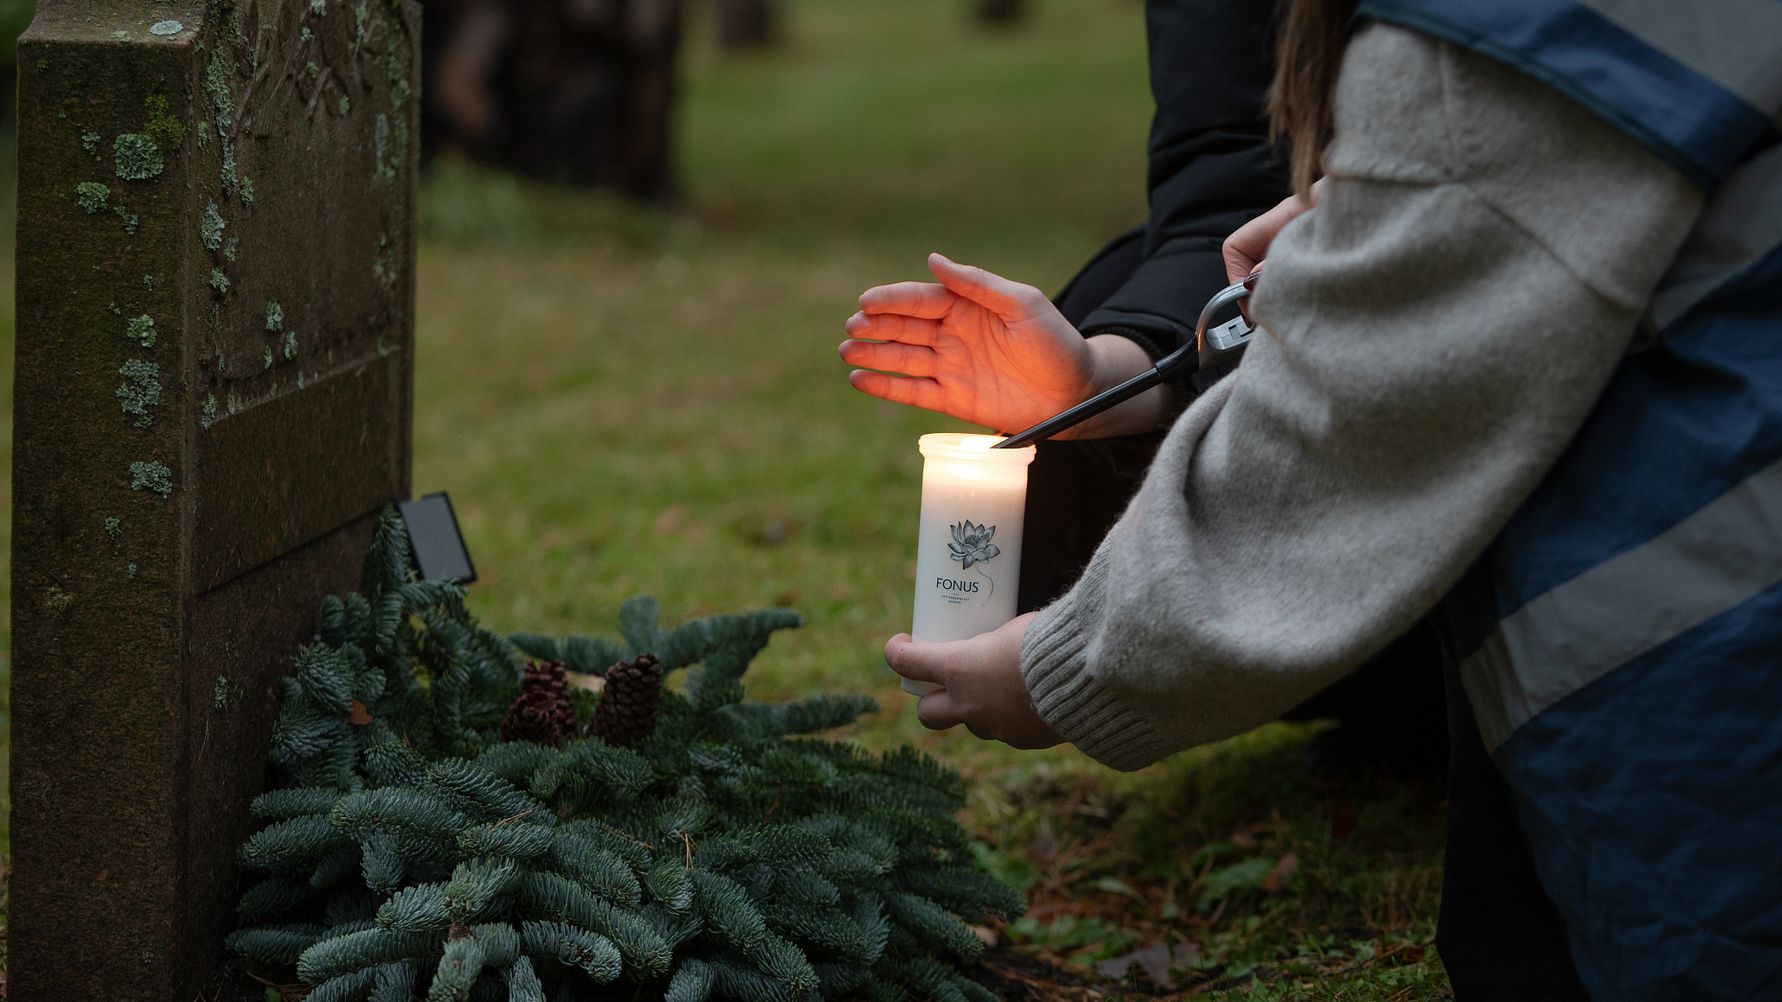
(626,713)
(548,676)
(542,713)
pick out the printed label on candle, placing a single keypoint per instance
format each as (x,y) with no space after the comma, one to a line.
(971,546)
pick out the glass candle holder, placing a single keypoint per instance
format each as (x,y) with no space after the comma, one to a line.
(968,553)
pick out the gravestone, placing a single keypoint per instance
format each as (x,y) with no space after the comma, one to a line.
(214,382)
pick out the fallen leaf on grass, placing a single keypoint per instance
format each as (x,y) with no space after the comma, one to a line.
(1159,961)
(1237,878)
(1281,877)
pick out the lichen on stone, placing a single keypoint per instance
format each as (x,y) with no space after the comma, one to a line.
(167,27)
(140,392)
(91,195)
(142,331)
(207,414)
(137,157)
(380,143)
(210,228)
(163,126)
(151,475)
(228,171)
(396,75)
(290,345)
(275,316)
(216,87)
(219,282)
(56,599)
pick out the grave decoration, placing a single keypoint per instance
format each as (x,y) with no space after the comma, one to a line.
(458,824)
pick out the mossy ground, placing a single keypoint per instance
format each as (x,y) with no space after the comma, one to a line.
(624,400)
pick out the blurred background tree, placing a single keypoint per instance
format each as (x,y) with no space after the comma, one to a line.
(15,16)
(574,91)
(747,24)
(999,12)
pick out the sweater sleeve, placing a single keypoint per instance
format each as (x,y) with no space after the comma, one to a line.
(1433,334)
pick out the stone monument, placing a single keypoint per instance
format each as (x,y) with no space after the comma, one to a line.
(214,388)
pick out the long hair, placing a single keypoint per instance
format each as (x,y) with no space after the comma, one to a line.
(1308,56)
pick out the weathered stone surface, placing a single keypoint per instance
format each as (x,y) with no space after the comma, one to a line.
(215,342)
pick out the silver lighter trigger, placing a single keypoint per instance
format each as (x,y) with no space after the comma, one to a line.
(1232,334)
(1208,345)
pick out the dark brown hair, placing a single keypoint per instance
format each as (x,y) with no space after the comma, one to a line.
(1309,46)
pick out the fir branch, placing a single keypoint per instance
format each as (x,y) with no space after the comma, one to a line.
(278,945)
(417,908)
(692,982)
(355,951)
(591,952)
(522,983)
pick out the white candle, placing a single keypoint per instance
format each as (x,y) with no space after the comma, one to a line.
(968,554)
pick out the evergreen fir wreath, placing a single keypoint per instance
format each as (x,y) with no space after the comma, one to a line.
(443,833)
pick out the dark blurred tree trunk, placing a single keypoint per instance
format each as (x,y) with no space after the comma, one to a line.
(747,24)
(580,91)
(999,12)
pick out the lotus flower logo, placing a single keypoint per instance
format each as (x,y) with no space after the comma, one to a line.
(971,543)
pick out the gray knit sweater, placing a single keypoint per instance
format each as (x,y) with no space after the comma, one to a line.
(1434,333)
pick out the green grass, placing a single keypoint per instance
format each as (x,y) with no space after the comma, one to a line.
(627,400)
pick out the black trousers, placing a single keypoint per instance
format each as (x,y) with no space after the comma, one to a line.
(1498,936)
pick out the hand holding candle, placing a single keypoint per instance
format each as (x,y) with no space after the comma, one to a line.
(981,685)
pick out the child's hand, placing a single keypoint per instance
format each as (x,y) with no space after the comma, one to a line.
(1248,245)
(977,346)
(981,685)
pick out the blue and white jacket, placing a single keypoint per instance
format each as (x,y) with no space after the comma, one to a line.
(1628,677)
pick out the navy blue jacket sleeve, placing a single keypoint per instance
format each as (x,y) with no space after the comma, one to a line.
(1211,165)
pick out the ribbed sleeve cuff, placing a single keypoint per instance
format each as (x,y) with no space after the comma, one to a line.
(1069,696)
(1152,345)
